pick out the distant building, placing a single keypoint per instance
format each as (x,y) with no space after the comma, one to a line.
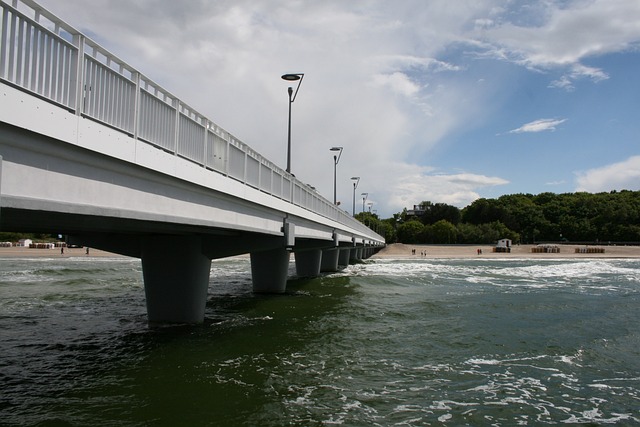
(418,211)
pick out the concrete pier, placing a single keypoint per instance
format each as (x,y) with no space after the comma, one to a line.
(344,256)
(176,278)
(308,263)
(330,260)
(355,254)
(269,270)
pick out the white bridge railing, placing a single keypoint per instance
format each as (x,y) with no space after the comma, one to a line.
(43,55)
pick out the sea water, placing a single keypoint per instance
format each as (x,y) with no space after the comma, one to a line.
(408,342)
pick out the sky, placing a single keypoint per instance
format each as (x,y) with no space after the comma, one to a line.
(431,100)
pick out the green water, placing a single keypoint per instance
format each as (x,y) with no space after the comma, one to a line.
(388,342)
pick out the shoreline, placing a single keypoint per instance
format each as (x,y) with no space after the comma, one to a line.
(404,251)
(394,250)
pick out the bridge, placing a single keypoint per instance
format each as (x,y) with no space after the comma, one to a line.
(93,149)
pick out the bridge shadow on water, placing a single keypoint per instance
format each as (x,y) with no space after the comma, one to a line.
(230,370)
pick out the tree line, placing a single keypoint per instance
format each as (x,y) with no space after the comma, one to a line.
(524,218)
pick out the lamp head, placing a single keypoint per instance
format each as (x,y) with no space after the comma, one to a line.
(291,77)
(336,157)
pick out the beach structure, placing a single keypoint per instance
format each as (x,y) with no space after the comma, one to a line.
(25,243)
(503,245)
(94,149)
(589,250)
(546,248)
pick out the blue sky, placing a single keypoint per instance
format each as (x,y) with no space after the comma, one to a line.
(437,100)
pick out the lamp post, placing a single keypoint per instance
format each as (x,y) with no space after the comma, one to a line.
(356,181)
(336,159)
(291,78)
(364,199)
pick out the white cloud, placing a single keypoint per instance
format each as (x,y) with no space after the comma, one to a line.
(577,72)
(398,82)
(565,35)
(540,125)
(415,184)
(624,175)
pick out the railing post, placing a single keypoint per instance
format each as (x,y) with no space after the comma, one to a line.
(244,173)
(176,135)
(206,146)
(3,49)
(226,156)
(5,26)
(79,87)
(136,104)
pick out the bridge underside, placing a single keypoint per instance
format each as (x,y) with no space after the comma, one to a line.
(176,261)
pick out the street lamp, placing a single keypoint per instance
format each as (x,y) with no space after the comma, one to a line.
(336,159)
(291,78)
(356,181)
(363,200)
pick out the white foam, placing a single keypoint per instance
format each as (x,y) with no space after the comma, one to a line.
(445,417)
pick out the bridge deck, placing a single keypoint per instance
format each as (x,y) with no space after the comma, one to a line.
(92,148)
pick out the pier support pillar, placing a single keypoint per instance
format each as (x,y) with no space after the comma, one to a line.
(330,259)
(176,278)
(344,256)
(366,252)
(308,263)
(269,270)
(355,254)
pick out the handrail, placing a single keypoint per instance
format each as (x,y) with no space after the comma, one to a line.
(41,54)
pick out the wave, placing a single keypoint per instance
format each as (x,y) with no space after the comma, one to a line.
(585,275)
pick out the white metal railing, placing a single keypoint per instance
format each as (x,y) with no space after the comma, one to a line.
(41,54)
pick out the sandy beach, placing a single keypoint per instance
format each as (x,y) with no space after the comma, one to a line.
(400,250)
(396,250)
(22,252)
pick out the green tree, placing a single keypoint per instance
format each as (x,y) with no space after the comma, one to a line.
(387,230)
(410,232)
(469,233)
(483,211)
(443,232)
(439,211)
